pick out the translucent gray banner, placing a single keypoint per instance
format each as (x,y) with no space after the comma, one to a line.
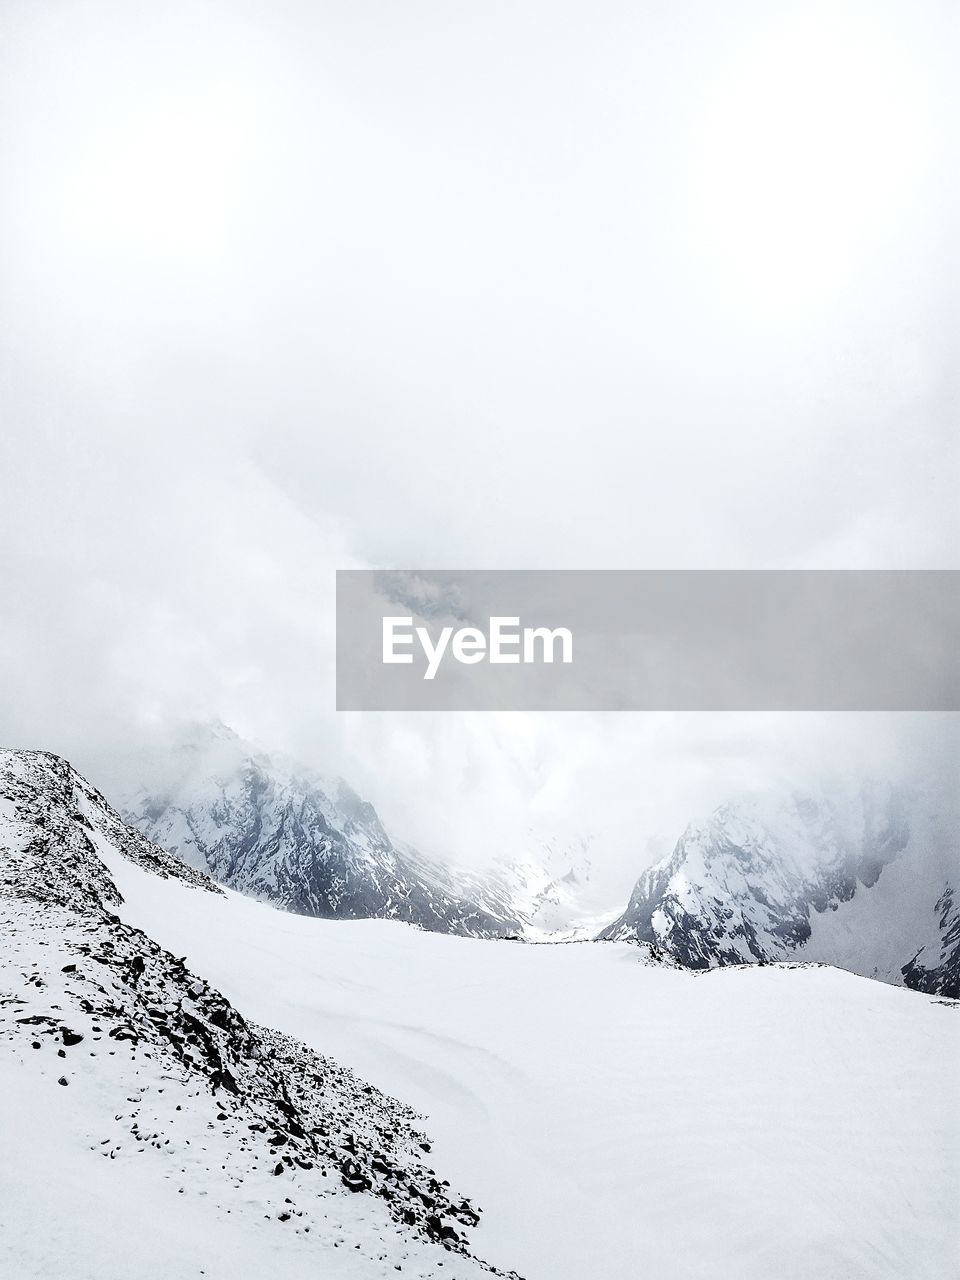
(650,640)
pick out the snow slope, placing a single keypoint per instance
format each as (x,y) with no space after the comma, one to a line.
(616,1117)
(149,1128)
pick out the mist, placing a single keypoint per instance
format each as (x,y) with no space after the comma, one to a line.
(289,288)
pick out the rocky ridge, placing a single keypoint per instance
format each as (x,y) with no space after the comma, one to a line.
(273,830)
(233,1109)
(863,883)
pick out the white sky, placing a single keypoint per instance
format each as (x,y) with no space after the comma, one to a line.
(291,287)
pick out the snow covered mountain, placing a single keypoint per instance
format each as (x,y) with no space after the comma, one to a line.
(549,891)
(863,881)
(128,1079)
(153,1126)
(271,829)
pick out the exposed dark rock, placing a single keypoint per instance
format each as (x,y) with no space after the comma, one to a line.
(746,886)
(265,1088)
(310,845)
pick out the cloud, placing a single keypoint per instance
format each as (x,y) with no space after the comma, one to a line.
(292,289)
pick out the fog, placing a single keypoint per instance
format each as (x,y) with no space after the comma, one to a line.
(295,287)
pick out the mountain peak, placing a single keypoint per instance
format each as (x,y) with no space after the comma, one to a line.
(276,830)
(850,877)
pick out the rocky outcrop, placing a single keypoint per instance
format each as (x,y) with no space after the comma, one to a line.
(309,844)
(190,1081)
(775,877)
(936,970)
